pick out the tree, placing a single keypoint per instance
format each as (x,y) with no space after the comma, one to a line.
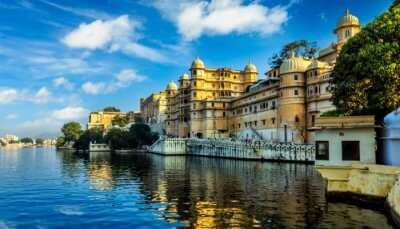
(118,139)
(120,121)
(60,141)
(299,47)
(71,131)
(94,135)
(138,119)
(141,134)
(26,140)
(111,109)
(366,77)
(39,141)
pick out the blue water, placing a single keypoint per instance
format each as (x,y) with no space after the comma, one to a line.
(42,188)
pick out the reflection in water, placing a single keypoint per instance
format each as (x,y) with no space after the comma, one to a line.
(145,190)
(204,192)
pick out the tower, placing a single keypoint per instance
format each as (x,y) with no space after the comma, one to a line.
(347,26)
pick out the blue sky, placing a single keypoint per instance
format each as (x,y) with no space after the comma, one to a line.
(62,59)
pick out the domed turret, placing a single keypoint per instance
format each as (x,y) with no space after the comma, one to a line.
(250,68)
(172,86)
(185,77)
(197,63)
(347,20)
(347,26)
(294,64)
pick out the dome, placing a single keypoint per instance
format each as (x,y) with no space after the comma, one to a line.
(185,77)
(318,64)
(294,64)
(197,63)
(172,86)
(347,20)
(393,119)
(250,68)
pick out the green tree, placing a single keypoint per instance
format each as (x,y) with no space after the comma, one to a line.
(299,47)
(94,135)
(71,131)
(367,72)
(118,139)
(60,141)
(139,119)
(111,109)
(141,134)
(120,121)
(26,140)
(39,141)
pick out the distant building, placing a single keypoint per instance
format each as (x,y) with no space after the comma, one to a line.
(224,102)
(103,119)
(9,138)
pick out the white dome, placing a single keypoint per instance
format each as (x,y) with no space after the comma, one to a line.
(172,86)
(348,20)
(197,63)
(294,64)
(250,68)
(185,77)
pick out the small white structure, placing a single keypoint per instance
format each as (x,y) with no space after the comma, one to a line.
(391,154)
(99,147)
(345,140)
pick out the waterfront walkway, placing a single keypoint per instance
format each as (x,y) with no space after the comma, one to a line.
(257,150)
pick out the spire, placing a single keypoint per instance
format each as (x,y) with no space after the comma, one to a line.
(347,12)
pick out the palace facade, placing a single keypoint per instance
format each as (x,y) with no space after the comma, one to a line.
(223,102)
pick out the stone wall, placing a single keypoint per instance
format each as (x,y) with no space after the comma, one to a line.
(258,150)
(368,182)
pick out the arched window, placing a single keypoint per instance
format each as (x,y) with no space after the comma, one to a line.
(296,77)
(296,119)
(347,33)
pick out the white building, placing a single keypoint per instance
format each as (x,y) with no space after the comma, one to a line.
(345,140)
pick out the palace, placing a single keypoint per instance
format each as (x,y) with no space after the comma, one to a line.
(228,103)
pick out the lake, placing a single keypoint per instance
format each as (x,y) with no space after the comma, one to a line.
(42,188)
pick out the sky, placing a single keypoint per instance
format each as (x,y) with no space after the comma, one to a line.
(59,60)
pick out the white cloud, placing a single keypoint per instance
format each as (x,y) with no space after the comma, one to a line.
(43,95)
(93,88)
(195,18)
(8,95)
(89,13)
(118,34)
(129,75)
(11,116)
(70,113)
(50,124)
(63,82)
(123,79)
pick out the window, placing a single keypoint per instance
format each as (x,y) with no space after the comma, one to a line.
(263,122)
(223,114)
(347,33)
(322,150)
(273,120)
(313,120)
(194,83)
(296,77)
(239,125)
(296,92)
(194,94)
(350,150)
(255,123)
(296,119)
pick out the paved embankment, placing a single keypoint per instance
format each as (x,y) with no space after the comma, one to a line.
(258,150)
(367,183)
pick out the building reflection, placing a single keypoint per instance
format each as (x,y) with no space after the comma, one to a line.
(208,193)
